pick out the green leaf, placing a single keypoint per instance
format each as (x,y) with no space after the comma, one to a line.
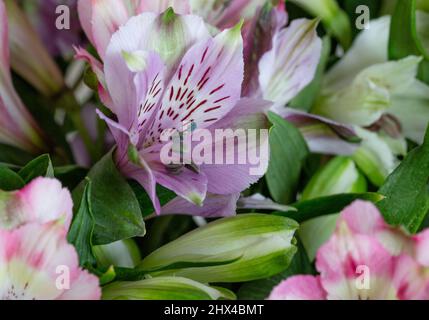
(313,208)
(404,38)
(39,167)
(407,190)
(82,228)
(288,152)
(261,289)
(114,205)
(10,180)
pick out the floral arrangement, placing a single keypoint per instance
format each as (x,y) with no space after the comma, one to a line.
(214,150)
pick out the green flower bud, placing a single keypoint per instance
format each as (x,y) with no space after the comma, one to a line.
(340,175)
(164,288)
(124,253)
(237,249)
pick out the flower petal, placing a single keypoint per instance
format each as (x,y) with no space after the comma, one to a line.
(206,85)
(258,39)
(37,262)
(146,33)
(421,247)
(187,184)
(345,259)
(84,8)
(45,200)
(299,288)
(374,157)
(363,217)
(370,93)
(17,127)
(322,134)
(225,14)
(291,64)
(411,107)
(84,287)
(214,206)
(107,17)
(146,177)
(411,279)
(369,48)
(4,38)
(251,155)
(179,6)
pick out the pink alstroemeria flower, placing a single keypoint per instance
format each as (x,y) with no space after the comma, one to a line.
(279,61)
(364,259)
(17,127)
(36,261)
(162,71)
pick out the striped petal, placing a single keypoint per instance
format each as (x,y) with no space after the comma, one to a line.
(206,85)
(292,62)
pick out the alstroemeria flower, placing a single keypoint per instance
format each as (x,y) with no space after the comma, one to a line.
(363,86)
(41,71)
(166,70)
(281,61)
(36,261)
(364,259)
(17,127)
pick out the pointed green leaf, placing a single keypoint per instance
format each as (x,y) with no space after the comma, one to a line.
(39,167)
(116,211)
(288,152)
(407,190)
(82,228)
(10,180)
